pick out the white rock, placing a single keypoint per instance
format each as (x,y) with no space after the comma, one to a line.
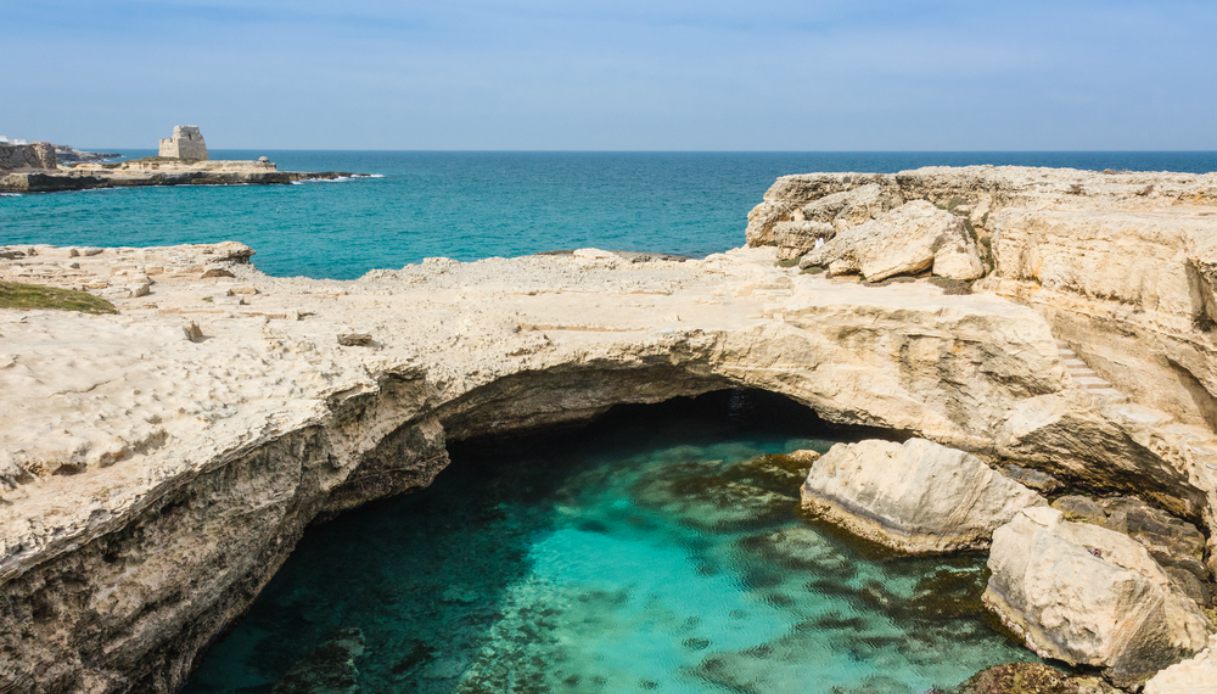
(917,496)
(1086,595)
(913,238)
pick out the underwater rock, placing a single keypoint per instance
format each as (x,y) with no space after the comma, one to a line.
(1086,595)
(329,668)
(709,495)
(918,497)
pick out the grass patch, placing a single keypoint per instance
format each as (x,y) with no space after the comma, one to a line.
(32,296)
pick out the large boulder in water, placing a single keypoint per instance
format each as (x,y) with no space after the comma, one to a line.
(917,497)
(1086,595)
(913,238)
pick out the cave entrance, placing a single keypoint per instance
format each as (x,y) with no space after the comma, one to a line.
(658,547)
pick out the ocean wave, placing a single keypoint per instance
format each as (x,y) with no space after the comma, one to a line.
(337,179)
(10,195)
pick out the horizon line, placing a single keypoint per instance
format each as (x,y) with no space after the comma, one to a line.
(685,151)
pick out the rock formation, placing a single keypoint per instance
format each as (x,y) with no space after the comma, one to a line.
(913,238)
(917,497)
(36,156)
(156,172)
(157,476)
(1177,546)
(1120,264)
(1085,595)
(186,143)
(34,168)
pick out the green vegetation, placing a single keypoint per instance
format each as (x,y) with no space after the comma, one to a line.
(31,296)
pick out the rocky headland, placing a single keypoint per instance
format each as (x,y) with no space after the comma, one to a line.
(42,167)
(1040,339)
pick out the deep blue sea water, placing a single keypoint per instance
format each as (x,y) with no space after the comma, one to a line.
(469,205)
(661,549)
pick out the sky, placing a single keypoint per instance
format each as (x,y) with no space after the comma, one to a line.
(621,75)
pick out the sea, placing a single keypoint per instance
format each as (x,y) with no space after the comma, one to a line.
(470,205)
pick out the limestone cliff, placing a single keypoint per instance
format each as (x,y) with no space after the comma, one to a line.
(1120,264)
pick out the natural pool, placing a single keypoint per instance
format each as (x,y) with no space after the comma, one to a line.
(659,549)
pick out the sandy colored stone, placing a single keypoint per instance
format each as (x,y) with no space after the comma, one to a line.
(1086,595)
(913,238)
(918,497)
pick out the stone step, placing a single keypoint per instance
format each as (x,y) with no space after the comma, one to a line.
(1075,363)
(1109,394)
(1141,414)
(1091,382)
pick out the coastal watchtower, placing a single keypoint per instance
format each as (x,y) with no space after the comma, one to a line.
(185,143)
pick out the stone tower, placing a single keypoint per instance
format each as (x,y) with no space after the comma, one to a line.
(186,143)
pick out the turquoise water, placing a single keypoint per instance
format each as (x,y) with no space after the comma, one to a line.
(469,205)
(661,549)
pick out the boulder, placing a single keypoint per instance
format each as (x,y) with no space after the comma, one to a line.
(1086,595)
(794,239)
(1197,674)
(917,497)
(1177,546)
(913,238)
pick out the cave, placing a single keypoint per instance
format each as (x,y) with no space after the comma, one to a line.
(650,547)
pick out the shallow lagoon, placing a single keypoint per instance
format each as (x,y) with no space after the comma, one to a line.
(660,549)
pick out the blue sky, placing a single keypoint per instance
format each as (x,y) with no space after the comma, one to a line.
(629,74)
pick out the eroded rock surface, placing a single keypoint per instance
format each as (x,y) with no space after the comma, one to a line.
(1120,263)
(917,497)
(1085,595)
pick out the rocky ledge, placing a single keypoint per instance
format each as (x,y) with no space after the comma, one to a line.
(168,456)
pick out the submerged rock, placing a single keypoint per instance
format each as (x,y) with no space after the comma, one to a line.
(329,668)
(1085,595)
(916,497)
